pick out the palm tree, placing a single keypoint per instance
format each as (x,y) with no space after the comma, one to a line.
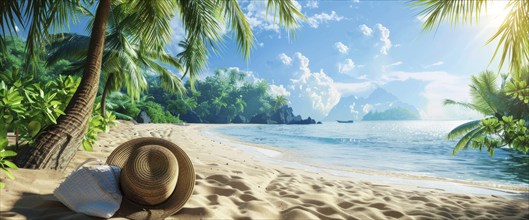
(149,20)
(506,107)
(279,102)
(487,99)
(240,104)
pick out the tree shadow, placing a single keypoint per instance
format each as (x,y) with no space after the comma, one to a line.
(37,206)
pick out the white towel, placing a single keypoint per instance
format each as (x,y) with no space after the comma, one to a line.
(92,191)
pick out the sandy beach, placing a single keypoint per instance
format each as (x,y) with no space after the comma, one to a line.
(232,184)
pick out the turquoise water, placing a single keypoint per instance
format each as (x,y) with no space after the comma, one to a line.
(412,147)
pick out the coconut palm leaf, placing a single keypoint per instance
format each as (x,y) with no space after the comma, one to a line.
(466,140)
(168,79)
(463,129)
(201,20)
(287,12)
(194,57)
(454,11)
(149,22)
(464,104)
(239,24)
(70,46)
(513,37)
(486,96)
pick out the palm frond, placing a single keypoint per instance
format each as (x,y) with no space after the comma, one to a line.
(67,46)
(164,58)
(202,20)
(194,58)
(514,40)
(169,81)
(287,12)
(466,140)
(237,22)
(41,15)
(453,10)
(148,22)
(463,129)
(486,96)
(10,13)
(464,104)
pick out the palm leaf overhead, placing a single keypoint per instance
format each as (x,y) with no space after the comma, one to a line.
(147,23)
(463,129)
(38,17)
(466,141)
(239,24)
(512,34)
(463,104)
(485,94)
(287,12)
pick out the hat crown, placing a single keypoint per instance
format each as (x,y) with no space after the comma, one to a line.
(149,177)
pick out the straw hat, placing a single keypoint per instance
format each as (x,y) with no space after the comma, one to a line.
(157,178)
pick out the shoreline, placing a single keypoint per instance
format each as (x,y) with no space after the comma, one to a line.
(278,155)
(234,184)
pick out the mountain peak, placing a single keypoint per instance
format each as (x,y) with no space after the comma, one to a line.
(380,95)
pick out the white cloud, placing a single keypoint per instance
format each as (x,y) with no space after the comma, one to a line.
(315,92)
(385,67)
(285,59)
(365,30)
(312,4)
(347,89)
(16,29)
(317,19)
(356,1)
(398,63)
(342,48)
(278,90)
(367,108)
(260,44)
(438,63)
(258,19)
(346,67)
(384,37)
(352,109)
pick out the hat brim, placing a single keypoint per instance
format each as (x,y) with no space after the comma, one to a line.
(182,192)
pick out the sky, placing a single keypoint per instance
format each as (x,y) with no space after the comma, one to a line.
(351,47)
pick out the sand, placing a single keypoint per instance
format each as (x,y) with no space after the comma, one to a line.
(232,184)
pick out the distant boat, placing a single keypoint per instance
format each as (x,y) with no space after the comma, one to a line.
(349,121)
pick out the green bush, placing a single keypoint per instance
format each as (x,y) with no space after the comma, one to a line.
(158,114)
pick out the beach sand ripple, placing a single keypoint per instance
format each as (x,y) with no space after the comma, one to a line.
(231,184)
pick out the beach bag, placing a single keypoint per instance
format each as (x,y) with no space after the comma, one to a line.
(92,190)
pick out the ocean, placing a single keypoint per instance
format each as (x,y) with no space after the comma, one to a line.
(410,148)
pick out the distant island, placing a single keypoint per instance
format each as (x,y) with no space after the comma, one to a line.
(379,105)
(391,114)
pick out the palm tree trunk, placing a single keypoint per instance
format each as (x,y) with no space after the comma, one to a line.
(104,98)
(57,145)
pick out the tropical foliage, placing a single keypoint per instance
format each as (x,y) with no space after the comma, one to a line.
(506,121)
(148,22)
(27,109)
(506,107)
(228,93)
